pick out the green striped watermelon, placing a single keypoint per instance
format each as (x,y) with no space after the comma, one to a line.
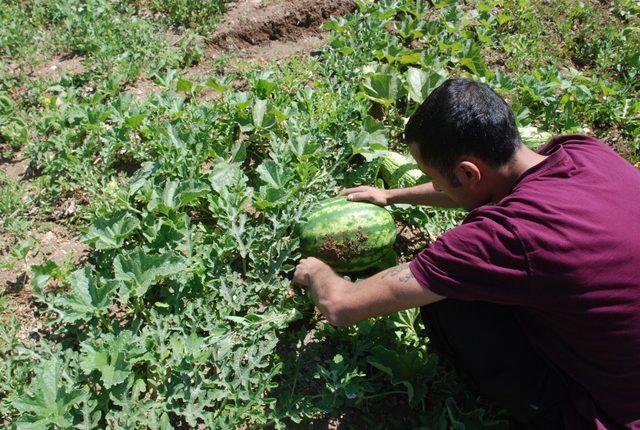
(399,171)
(349,236)
(389,259)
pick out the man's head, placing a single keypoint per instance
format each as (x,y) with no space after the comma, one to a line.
(460,132)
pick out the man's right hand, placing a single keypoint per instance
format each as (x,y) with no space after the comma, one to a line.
(366,193)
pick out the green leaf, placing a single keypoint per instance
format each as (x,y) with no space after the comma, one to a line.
(138,270)
(421,83)
(370,144)
(142,176)
(47,402)
(406,369)
(135,120)
(410,58)
(86,297)
(534,137)
(175,195)
(259,111)
(383,88)
(21,250)
(272,174)
(184,85)
(472,60)
(264,85)
(191,191)
(42,273)
(110,233)
(165,200)
(470,419)
(302,145)
(223,175)
(89,415)
(215,84)
(417,80)
(110,357)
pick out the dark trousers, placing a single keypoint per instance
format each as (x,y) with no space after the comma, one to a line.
(485,345)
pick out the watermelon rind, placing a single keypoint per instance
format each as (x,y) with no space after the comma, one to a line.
(349,236)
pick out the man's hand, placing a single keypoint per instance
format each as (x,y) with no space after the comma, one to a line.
(367,193)
(311,270)
(423,194)
(324,286)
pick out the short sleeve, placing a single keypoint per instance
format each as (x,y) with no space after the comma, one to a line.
(482,259)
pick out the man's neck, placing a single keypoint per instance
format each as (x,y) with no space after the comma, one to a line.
(506,176)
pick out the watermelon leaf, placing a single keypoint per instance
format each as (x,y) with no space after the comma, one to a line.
(138,270)
(110,233)
(86,298)
(47,402)
(111,356)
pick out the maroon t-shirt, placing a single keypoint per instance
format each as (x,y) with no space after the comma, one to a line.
(564,248)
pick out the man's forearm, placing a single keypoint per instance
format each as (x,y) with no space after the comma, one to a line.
(326,292)
(345,303)
(423,194)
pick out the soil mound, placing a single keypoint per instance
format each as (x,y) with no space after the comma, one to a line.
(251,22)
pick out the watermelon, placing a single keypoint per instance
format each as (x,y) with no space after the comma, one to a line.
(534,137)
(389,259)
(348,236)
(398,170)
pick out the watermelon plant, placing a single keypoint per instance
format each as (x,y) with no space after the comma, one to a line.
(191,191)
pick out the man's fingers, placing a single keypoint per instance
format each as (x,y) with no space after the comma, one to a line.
(352,190)
(300,273)
(356,197)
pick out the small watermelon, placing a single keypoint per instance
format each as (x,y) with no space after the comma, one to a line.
(399,171)
(348,236)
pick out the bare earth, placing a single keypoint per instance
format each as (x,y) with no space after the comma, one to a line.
(260,31)
(16,168)
(56,244)
(252,22)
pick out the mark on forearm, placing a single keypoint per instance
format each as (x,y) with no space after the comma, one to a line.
(398,270)
(406,277)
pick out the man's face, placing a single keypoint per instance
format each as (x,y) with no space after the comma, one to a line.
(469,192)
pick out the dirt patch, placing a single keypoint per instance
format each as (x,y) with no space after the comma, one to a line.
(252,22)
(55,68)
(57,244)
(259,31)
(279,49)
(615,138)
(17,168)
(343,248)
(410,240)
(144,87)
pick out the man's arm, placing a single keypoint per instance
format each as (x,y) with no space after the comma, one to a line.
(423,194)
(344,303)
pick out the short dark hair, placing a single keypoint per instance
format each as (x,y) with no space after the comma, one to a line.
(460,118)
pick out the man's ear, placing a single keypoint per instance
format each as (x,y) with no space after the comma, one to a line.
(468,173)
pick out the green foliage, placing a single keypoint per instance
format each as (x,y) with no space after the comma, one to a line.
(138,270)
(10,198)
(86,299)
(48,401)
(201,15)
(112,357)
(183,315)
(111,233)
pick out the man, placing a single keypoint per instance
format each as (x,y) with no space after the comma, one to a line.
(536,296)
